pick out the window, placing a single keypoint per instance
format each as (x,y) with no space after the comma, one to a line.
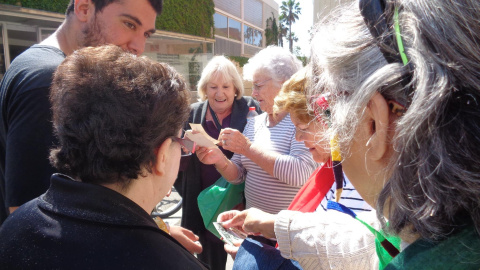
(221,26)
(252,36)
(234,29)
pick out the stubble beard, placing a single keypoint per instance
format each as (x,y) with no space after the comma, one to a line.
(93,34)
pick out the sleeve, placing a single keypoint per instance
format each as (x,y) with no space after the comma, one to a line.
(325,240)
(242,172)
(295,168)
(237,158)
(29,140)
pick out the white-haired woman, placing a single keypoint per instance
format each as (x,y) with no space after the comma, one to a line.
(222,105)
(267,157)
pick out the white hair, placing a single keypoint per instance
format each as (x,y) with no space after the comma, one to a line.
(434,186)
(220,66)
(278,63)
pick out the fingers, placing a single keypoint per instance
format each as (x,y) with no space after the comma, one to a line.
(186,238)
(227,215)
(232,250)
(236,220)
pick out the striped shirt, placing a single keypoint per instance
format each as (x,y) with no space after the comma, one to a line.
(350,198)
(291,170)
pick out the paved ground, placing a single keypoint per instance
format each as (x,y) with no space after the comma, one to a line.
(176,218)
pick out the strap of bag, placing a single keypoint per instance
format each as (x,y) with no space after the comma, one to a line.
(215,119)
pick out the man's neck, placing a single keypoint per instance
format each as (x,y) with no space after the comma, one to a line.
(64,38)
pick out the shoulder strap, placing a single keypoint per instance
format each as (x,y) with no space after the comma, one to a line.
(215,119)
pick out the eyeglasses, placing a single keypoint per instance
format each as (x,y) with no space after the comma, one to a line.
(188,147)
(258,86)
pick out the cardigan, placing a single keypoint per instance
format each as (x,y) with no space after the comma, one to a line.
(460,250)
(188,182)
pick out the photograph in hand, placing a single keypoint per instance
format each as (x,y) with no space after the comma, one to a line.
(230,235)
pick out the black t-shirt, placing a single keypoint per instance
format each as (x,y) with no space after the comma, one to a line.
(26,133)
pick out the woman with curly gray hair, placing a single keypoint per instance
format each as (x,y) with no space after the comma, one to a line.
(404,83)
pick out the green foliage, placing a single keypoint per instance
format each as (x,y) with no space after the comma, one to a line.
(271,32)
(59,6)
(303,59)
(241,60)
(187,17)
(180,16)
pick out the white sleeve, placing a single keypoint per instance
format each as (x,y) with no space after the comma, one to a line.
(326,240)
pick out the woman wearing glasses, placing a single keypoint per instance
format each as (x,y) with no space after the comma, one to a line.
(267,157)
(118,119)
(404,79)
(222,105)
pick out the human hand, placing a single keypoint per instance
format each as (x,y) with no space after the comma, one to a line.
(210,155)
(232,249)
(234,141)
(187,238)
(251,221)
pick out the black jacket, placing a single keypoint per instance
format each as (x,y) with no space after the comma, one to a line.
(77,225)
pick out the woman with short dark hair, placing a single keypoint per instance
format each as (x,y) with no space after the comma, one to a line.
(118,119)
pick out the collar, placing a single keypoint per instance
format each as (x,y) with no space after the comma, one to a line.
(92,202)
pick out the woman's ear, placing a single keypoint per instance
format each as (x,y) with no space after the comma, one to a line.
(162,153)
(378,114)
(84,9)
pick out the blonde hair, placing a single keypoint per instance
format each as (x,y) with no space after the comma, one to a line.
(292,97)
(220,66)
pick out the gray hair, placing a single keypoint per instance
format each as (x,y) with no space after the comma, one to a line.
(220,66)
(434,187)
(278,63)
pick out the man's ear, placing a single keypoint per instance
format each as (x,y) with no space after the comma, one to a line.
(162,154)
(378,115)
(84,9)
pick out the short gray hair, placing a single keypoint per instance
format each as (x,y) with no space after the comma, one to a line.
(220,66)
(277,62)
(434,188)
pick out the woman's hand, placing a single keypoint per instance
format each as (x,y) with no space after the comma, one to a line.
(233,249)
(251,221)
(210,155)
(187,238)
(234,141)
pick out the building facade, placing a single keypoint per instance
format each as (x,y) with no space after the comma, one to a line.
(322,7)
(240,25)
(22,27)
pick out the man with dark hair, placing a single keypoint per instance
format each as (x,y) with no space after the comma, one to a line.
(25,116)
(118,119)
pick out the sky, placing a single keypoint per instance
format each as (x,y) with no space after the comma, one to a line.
(302,25)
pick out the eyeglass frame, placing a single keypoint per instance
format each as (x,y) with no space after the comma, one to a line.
(188,146)
(257,86)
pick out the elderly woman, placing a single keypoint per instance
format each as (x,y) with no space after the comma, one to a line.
(223,106)
(404,102)
(405,86)
(357,250)
(267,157)
(118,118)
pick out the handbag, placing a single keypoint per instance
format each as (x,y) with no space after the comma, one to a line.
(217,198)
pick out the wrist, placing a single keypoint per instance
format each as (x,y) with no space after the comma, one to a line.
(222,164)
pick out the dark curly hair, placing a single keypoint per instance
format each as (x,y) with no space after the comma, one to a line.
(100,4)
(111,111)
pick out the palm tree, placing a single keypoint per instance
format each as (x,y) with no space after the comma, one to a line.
(282,30)
(290,11)
(271,32)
